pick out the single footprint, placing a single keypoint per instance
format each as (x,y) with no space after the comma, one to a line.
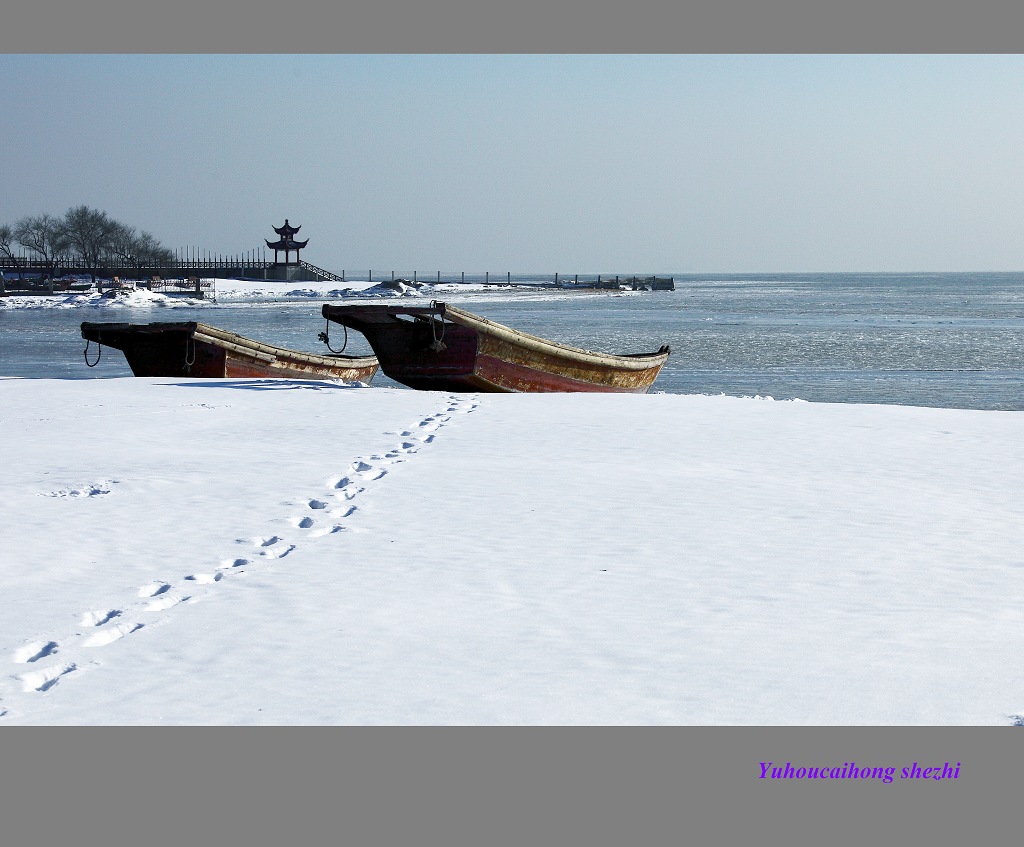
(317,504)
(208,578)
(111,634)
(35,651)
(368,472)
(327,530)
(233,563)
(154,589)
(348,491)
(98,618)
(45,679)
(165,601)
(279,554)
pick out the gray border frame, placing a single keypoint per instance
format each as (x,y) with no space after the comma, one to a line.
(491,786)
(526,26)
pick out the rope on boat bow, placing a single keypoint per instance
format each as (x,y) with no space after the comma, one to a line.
(189,362)
(438,344)
(99,351)
(325,337)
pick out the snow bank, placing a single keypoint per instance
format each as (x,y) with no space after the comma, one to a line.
(138,298)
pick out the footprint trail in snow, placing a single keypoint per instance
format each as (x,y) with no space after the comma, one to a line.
(42,663)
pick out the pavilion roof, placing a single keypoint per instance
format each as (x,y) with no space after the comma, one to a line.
(286,230)
(286,244)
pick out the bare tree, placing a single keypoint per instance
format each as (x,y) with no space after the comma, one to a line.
(7,249)
(137,249)
(151,252)
(120,249)
(90,233)
(7,242)
(44,236)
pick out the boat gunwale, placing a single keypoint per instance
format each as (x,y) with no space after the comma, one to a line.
(240,343)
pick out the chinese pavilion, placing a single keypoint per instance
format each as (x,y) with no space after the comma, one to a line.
(286,242)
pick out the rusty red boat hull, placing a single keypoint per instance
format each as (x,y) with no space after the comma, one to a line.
(199,350)
(443,348)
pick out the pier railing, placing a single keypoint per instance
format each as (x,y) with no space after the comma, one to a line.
(231,267)
(555,280)
(201,289)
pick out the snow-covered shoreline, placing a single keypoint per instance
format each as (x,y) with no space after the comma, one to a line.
(250,291)
(277,552)
(134,294)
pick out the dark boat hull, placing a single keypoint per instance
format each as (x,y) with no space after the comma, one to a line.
(199,350)
(446,349)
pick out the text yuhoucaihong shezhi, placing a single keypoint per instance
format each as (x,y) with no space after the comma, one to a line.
(850,770)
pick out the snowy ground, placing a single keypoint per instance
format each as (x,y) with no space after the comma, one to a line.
(277,552)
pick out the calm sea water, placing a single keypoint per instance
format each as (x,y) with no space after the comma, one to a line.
(947,340)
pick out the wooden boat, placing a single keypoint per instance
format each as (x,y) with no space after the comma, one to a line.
(440,347)
(199,350)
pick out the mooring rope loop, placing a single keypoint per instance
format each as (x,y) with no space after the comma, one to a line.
(438,344)
(99,351)
(190,361)
(325,337)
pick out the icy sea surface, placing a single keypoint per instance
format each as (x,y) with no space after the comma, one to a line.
(951,340)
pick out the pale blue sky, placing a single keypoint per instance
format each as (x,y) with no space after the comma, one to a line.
(544,163)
